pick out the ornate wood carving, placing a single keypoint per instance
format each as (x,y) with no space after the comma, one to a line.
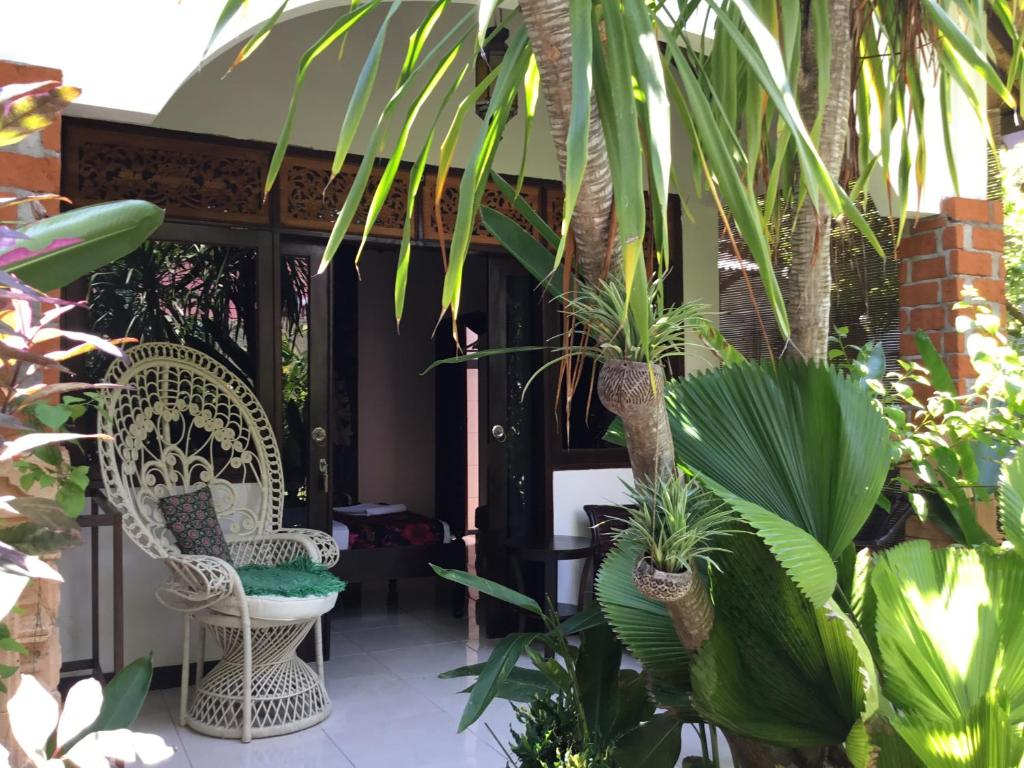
(493,198)
(306,202)
(191,179)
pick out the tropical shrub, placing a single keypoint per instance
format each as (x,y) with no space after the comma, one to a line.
(92,729)
(583,710)
(912,657)
(37,518)
(951,441)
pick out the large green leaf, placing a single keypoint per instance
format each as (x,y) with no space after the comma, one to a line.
(597,672)
(643,626)
(951,637)
(123,698)
(492,588)
(64,247)
(493,675)
(805,560)
(1011,502)
(776,668)
(534,257)
(655,744)
(800,440)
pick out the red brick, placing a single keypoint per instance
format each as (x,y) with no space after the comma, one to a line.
(995,212)
(928,269)
(960,366)
(917,245)
(953,342)
(954,236)
(928,319)
(904,272)
(985,239)
(51,136)
(966,209)
(928,223)
(991,289)
(918,294)
(971,263)
(37,174)
(908,345)
(13,72)
(952,289)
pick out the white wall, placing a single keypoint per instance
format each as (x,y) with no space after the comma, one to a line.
(570,491)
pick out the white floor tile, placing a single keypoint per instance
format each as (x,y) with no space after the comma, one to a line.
(390,709)
(427,658)
(311,748)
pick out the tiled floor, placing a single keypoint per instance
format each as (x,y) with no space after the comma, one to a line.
(389,707)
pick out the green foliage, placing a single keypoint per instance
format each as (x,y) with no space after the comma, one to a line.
(644,627)
(951,640)
(582,706)
(1012,164)
(954,442)
(776,667)
(676,523)
(798,450)
(601,311)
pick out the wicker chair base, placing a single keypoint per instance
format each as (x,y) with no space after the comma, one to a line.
(287,695)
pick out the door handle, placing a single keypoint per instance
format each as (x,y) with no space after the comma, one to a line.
(319,435)
(498,433)
(322,465)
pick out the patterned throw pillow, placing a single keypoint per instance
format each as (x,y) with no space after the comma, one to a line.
(191,518)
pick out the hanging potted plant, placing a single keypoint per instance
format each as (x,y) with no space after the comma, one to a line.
(678,527)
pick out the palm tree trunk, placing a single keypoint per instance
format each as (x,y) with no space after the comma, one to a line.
(810,272)
(547,24)
(646,424)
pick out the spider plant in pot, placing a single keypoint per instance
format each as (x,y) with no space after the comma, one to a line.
(679,526)
(632,344)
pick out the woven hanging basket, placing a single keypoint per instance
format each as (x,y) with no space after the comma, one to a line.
(626,385)
(684,595)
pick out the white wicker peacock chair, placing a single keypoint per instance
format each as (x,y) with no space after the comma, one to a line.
(181,420)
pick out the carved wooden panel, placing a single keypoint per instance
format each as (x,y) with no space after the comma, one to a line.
(190,179)
(307,202)
(493,198)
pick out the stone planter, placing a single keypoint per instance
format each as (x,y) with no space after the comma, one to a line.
(686,597)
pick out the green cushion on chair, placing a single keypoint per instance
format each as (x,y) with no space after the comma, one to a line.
(300,577)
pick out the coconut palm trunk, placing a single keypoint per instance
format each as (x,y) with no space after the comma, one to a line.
(810,272)
(624,386)
(597,252)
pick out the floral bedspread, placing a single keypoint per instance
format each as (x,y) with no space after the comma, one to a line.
(401,529)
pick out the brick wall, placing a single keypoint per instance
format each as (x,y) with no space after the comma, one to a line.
(30,166)
(33,164)
(941,255)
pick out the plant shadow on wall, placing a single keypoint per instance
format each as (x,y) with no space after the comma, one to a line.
(43,492)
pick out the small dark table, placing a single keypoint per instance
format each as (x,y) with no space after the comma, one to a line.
(549,550)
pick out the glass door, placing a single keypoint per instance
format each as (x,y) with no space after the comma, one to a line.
(304,395)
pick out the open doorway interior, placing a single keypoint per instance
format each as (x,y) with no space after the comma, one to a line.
(411,500)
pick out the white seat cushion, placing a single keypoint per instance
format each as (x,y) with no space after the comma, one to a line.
(277,608)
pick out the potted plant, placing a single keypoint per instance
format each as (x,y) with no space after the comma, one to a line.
(678,526)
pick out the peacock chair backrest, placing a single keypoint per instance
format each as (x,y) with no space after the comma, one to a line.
(180,420)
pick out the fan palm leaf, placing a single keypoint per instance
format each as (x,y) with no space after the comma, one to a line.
(950,633)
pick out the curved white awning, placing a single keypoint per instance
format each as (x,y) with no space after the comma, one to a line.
(130,56)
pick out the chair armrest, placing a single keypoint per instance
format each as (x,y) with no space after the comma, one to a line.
(327,547)
(283,545)
(198,582)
